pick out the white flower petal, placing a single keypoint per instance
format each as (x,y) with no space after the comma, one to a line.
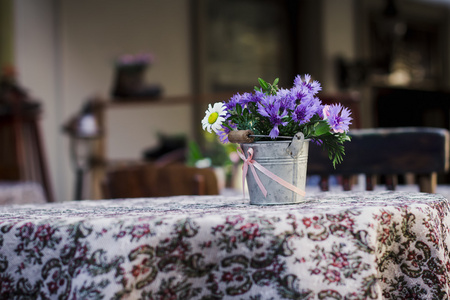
(218,108)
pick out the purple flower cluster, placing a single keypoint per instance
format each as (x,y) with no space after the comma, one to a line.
(338,117)
(135,59)
(285,111)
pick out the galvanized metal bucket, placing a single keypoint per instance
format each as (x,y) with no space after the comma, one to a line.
(287,160)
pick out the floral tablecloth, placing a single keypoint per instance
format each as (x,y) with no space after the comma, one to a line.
(349,245)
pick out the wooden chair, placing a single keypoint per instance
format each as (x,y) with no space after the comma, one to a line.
(390,152)
(150,180)
(22,155)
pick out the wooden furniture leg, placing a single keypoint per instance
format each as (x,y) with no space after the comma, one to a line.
(36,133)
(347,182)
(371,181)
(391,182)
(428,182)
(324,183)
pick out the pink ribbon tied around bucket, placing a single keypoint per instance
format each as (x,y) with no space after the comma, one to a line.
(249,161)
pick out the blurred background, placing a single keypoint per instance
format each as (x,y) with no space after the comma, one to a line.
(139,74)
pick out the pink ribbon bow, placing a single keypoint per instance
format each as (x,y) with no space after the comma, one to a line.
(249,161)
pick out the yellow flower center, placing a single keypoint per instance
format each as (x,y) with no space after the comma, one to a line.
(213,117)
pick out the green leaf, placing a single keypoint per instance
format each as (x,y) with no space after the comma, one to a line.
(194,153)
(275,82)
(263,84)
(246,113)
(322,128)
(227,126)
(239,109)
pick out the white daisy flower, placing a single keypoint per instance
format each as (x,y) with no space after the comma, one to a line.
(215,116)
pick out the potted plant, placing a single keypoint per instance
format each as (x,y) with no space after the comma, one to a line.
(274,127)
(130,76)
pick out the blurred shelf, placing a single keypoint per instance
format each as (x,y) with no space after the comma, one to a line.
(150,101)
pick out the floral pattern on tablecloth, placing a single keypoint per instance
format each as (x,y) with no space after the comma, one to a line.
(365,245)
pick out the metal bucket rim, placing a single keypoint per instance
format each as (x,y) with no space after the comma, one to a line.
(265,142)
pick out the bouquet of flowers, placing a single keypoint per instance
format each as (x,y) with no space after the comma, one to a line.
(274,112)
(129,81)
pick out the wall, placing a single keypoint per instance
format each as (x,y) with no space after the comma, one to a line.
(6,33)
(337,36)
(36,57)
(65,51)
(90,46)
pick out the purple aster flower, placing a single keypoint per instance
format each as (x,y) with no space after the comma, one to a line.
(317,141)
(270,108)
(231,104)
(245,99)
(319,106)
(314,87)
(286,98)
(301,93)
(306,110)
(258,96)
(275,132)
(223,133)
(265,104)
(338,117)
